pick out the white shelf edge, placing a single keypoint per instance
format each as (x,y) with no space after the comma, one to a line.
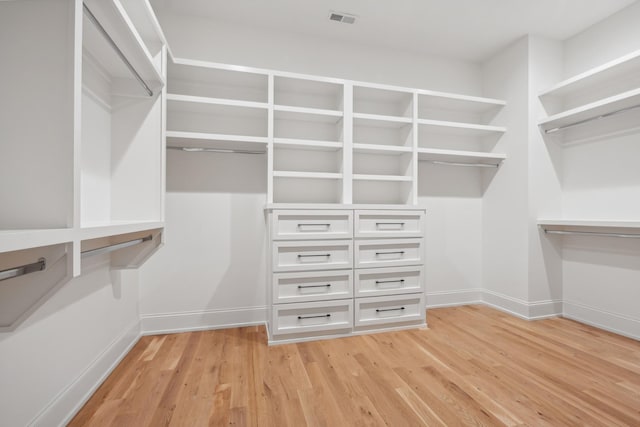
(589,223)
(381,149)
(331,206)
(216,137)
(16,240)
(565,85)
(307,175)
(383,118)
(440,154)
(390,178)
(307,143)
(490,102)
(94,231)
(464,126)
(216,101)
(307,110)
(593,109)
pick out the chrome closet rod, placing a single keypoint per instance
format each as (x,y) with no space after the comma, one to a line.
(593,233)
(478,165)
(116,246)
(215,150)
(115,47)
(590,119)
(39,265)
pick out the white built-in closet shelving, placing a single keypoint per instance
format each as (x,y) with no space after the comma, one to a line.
(327,141)
(590,99)
(86,158)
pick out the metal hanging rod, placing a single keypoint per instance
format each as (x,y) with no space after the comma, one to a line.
(477,165)
(590,119)
(215,150)
(115,47)
(39,265)
(116,246)
(592,233)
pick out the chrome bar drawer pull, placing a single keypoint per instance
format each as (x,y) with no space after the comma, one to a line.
(380,310)
(316,255)
(389,281)
(328,285)
(378,224)
(389,253)
(314,317)
(314,225)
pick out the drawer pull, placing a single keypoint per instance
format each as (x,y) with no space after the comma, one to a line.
(380,310)
(328,285)
(315,317)
(312,255)
(389,281)
(314,225)
(378,224)
(388,253)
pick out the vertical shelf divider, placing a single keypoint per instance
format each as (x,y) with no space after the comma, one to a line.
(414,151)
(270,133)
(347,151)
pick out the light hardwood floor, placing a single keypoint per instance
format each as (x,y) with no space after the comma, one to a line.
(473,366)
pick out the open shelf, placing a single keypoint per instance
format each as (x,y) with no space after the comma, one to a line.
(147,26)
(15,240)
(307,175)
(612,228)
(283,112)
(618,69)
(215,141)
(377,120)
(459,156)
(457,128)
(594,110)
(382,190)
(321,94)
(307,144)
(204,101)
(96,231)
(433,100)
(390,178)
(388,104)
(381,149)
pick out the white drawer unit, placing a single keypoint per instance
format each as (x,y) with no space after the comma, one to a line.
(388,281)
(379,224)
(314,255)
(312,317)
(388,310)
(389,253)
(309,225)
(312,286)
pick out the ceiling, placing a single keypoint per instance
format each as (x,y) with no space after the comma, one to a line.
(470,30)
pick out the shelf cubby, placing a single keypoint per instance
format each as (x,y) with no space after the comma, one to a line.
(382,164)
(382,190)
(301,160)
(383,133)
(308,93)
(307,187)
(374,101)
(293,123)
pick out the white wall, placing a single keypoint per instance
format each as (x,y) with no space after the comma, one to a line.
(215,202)
(601,180)
(51,361)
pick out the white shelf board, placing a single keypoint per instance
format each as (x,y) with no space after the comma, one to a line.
(330,206)
(307,175)
(209,73)
(141,14)
(308,86)
(377,120)
(216,106)
(435,154)
(15,240)
(454,102)
(608,72)
(391,178)
(286,112)
(115,228)
(371,92)
(381,149)
(592,110)
(307,144)
(113,17)
(215,140)
(216,101)
(458,128)
(590,226)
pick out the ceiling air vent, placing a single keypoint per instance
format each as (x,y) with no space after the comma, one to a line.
(345,18)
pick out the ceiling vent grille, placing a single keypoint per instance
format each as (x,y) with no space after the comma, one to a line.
(345,18)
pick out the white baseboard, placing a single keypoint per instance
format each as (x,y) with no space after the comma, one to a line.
(521,308)
(608,321)
(169,323)
(70,400)
(453,298)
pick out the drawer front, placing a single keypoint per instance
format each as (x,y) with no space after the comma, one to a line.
(306,225)
(385,310)
(389,253)
(312,286)
(312,317)
(389,224)
(389,281)
(319,255)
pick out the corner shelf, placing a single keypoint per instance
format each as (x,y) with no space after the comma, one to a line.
(438,155)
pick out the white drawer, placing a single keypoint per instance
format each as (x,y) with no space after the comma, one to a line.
(307,225)
(384,310)
(389,253)
(312,317)
(389,224)
(312,286)
(319,255)
(389,281)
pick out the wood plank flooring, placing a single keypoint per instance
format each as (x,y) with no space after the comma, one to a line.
(473,366)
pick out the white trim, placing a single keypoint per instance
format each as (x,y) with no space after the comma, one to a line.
(616,323)
(453,298)
(66,404)
(169,323)
(520,308)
